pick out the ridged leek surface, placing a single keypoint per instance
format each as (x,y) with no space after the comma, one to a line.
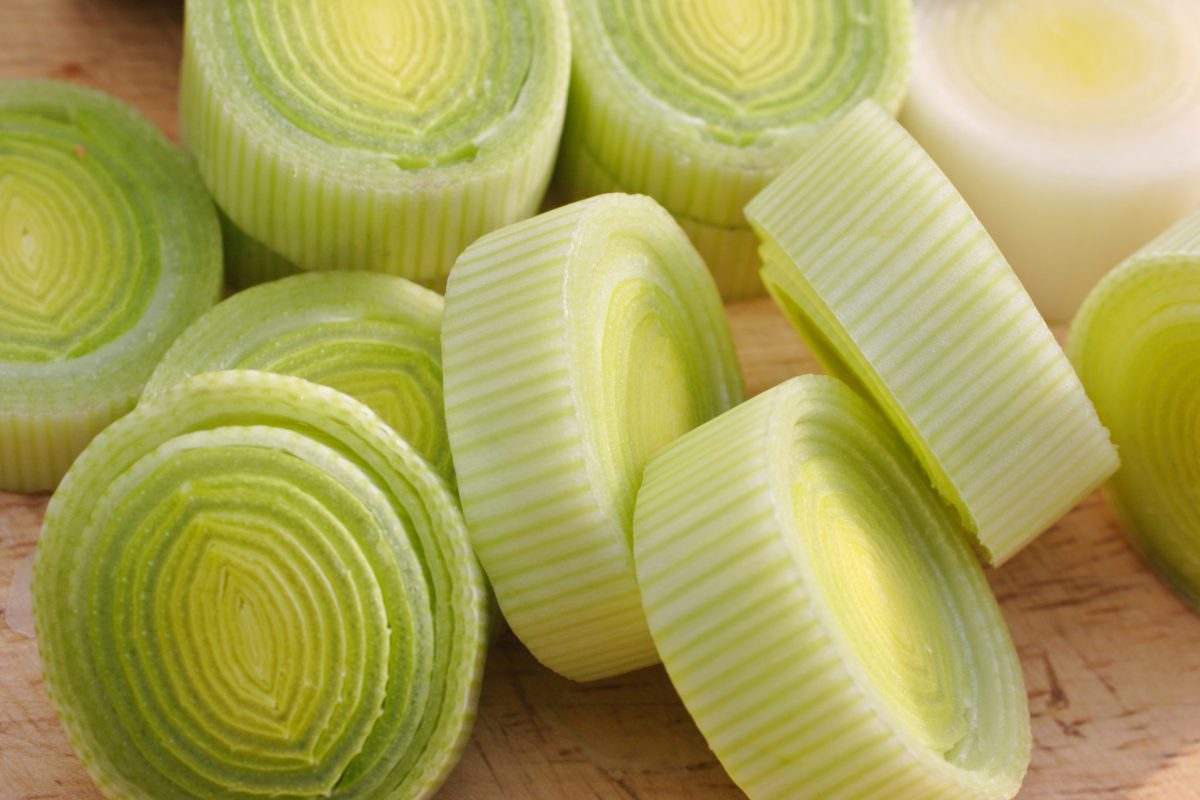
(819,609)
(575,345)
(109,247)
(252,587)
(374,337)
(367,135)
(1136,344)
(701,103)
(890,277)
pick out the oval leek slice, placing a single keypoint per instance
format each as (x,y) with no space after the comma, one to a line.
(701,103)
(252,587)
(374,337)
(575,345)
(1070,126)
(383,136)
(880,264)
(1136,344)
(819,610)
(109,247)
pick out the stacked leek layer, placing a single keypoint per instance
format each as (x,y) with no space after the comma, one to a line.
(819,610)
(884,269)
(374,337)
(700,103)
(575,346)
(251,586)
(1136,344)
(109,247)
(373,136)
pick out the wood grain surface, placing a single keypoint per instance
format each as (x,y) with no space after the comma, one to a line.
(1111,657)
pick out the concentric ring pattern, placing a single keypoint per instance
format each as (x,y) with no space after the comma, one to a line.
(383,135)
(1136,344)
(374,337)
(109,247)
(252,587)
(700,103)
(575,346)
(819,610)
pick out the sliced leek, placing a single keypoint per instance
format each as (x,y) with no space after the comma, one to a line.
(701,103)
(819,610)
(887,273)
(367,134)
(252,587)
(575,345)
(109,247)
(1136,344)
(374,337)
(1070,126)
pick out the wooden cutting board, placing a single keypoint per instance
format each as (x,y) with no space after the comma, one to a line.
(1111,657)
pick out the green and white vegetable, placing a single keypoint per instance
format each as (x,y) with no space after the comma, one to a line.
(1136,344)
(575,345)
(109,247)
(889,276)
(701,103)
(383,136)
(253,587)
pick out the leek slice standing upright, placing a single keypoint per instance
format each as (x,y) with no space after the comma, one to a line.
(1136,344)
(884,269)
(700,103)
(109,247)
(575,345)
(368,135)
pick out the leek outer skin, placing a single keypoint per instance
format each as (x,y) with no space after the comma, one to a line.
(877,260)
(374,337)
(573,345)
(109,247)
(758,648)
(354,585)
(1136,344)
(704,130)
(393,171)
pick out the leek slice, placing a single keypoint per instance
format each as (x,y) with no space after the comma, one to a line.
(881,265)
(819,610)
(252,587)
(575,345)
(368,135)
(374,337)
(1070,126)
(109,247)
(1136,344)
(701,103)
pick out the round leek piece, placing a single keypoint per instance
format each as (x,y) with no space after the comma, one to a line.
(883,268)
(819,610)
(575,345)
(701,103)
(381,135)
(1070,126)
(1136,344)
(253,587)
(109,247)
(374,337)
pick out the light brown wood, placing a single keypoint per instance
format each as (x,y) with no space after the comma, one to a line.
(1111,657)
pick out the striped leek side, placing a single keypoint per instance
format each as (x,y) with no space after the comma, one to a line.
(575,345)
(374,337)
(109,247)
(884,269)
(371,136)
(820,612)
(701,103)
(1136,344)
(252,587)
